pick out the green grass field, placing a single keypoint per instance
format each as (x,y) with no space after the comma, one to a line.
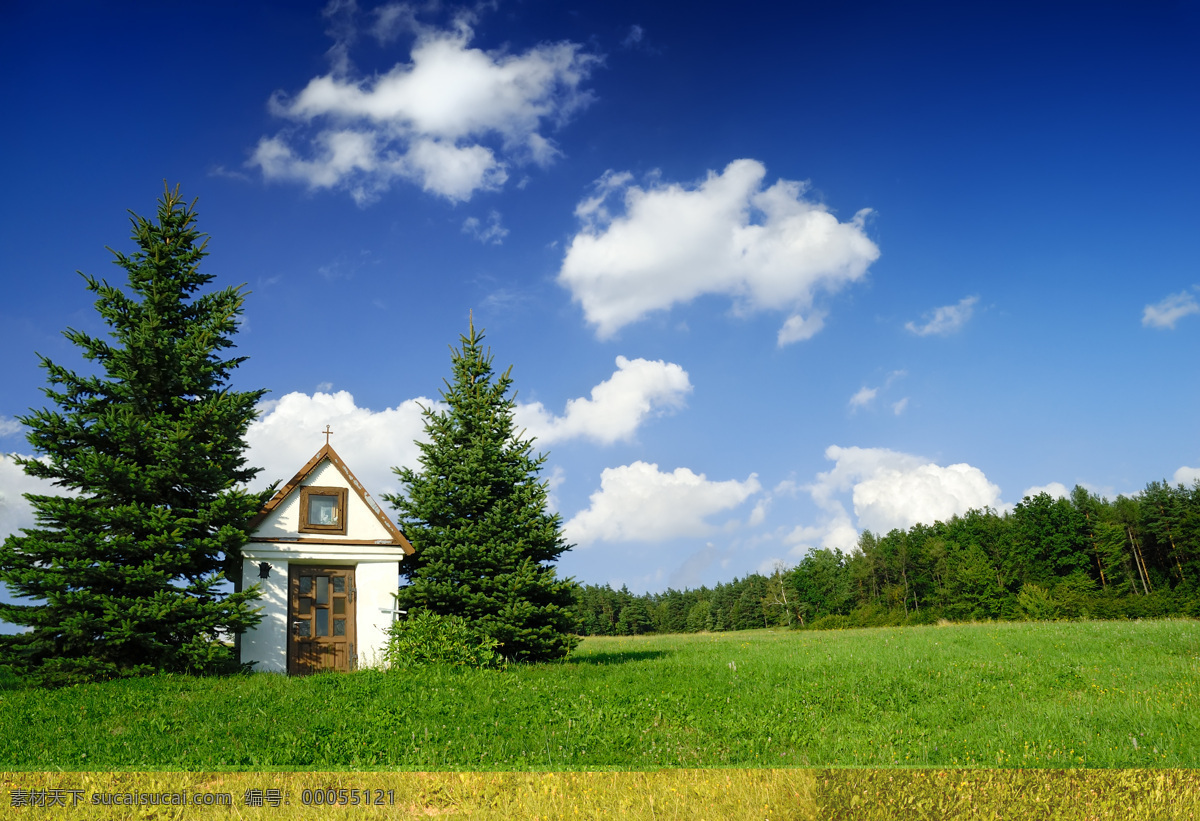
(1047,695)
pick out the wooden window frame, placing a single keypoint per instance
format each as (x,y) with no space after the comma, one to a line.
(312,490)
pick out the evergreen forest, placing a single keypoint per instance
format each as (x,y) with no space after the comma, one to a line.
(1048,558)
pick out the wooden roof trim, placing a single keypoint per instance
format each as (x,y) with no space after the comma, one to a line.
(327,452)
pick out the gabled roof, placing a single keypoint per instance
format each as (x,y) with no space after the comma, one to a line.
(328,453)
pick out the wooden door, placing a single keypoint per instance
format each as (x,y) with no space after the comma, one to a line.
(321,622)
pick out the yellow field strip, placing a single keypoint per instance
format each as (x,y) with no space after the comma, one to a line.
(806,794)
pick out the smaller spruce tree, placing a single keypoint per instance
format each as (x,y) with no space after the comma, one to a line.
(125,573)
(476,515)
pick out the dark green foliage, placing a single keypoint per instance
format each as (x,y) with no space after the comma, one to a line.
(125,572)
(476,514)
(635,619)
(821,583)
(9,680)
(425,637)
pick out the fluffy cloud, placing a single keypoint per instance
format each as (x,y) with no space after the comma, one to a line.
(450,120)
(639,503)
(925,493)
(1166,313)
(835,532)
(637,389)
(1056,490)
(888,489)
(767,248)
(15,512)
(1186,476)
(8,427)
(371,442)
(798,328)
(945,320)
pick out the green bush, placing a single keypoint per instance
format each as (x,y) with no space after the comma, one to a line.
(830,622)
(9,680)
(1036,603)
(1074,594)
(924,616)
(426,637)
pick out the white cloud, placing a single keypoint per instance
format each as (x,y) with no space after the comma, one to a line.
(638,503)
(924,494)
(554,479)
(863,398)
(798,328)
(1057,490)
(766,248)
(637,389)
(371,442)
(759,514)
(1186,476)
(452,171)
(15,512)
(867,395)
(946,319)
(438,120)
(1166,313)
(898,407)
(890,489)
(9,427)
(493,232)
(835,532)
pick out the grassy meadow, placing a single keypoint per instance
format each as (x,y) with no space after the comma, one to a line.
(1060,695)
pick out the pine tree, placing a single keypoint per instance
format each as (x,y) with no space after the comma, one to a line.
(476,515)
(125,572)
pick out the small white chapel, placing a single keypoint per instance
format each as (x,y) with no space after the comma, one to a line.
(328,561)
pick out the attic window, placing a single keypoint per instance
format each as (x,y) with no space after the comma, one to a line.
(323,510)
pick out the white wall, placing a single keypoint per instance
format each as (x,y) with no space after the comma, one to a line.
(375,579)
(377,583)
(266,644)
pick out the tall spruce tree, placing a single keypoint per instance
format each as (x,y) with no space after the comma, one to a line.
(125,571)
(476,514)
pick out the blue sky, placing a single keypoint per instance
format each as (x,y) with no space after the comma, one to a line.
(766,276)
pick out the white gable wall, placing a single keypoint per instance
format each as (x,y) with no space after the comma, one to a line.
(361,523)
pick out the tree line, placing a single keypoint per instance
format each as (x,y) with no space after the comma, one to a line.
(1082,556)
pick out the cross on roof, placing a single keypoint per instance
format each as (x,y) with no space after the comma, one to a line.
(327,431)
